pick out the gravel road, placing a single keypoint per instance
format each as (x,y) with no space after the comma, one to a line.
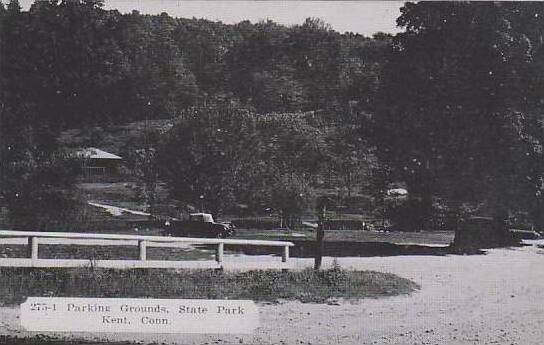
(496,298)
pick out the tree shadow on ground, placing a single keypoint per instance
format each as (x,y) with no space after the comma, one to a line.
(306,249)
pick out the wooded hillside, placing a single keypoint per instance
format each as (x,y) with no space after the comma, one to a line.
(450,108)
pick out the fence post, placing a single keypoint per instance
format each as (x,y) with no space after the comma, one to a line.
(219,252)
(285,254)
(142,246)
(320,234)
(33,248)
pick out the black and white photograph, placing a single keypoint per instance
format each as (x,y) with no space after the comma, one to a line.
(221,172)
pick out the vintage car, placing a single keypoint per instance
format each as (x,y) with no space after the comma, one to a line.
(483,232)
(199,225)
(525,234)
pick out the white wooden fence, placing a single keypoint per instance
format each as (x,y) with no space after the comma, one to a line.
(33,239)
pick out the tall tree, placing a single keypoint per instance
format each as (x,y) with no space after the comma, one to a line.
(452,115)
(36,178)
(223,156)
(206,156)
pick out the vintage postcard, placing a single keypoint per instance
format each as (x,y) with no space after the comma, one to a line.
(271,172)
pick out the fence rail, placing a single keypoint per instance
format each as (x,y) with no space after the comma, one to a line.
(33,238)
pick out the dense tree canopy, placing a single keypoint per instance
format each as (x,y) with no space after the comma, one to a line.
(219,157)
(450,107)
(72,64)
(459,103)
(82,65)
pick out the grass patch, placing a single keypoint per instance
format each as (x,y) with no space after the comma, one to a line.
(307,286)
(110,252)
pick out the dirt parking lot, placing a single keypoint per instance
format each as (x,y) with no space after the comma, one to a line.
(473,299)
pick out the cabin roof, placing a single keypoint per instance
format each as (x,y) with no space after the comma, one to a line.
(94,153)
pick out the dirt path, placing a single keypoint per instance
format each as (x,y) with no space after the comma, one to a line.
(496,298)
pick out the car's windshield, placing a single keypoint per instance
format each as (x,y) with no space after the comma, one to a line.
(206,218)
(196,217)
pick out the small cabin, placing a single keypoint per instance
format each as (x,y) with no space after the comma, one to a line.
(98,163)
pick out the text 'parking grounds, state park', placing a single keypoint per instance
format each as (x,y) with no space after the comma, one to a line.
(139,315)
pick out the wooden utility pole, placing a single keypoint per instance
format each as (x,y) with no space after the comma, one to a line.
(319,245)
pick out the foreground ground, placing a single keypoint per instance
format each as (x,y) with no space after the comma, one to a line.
(478,299)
